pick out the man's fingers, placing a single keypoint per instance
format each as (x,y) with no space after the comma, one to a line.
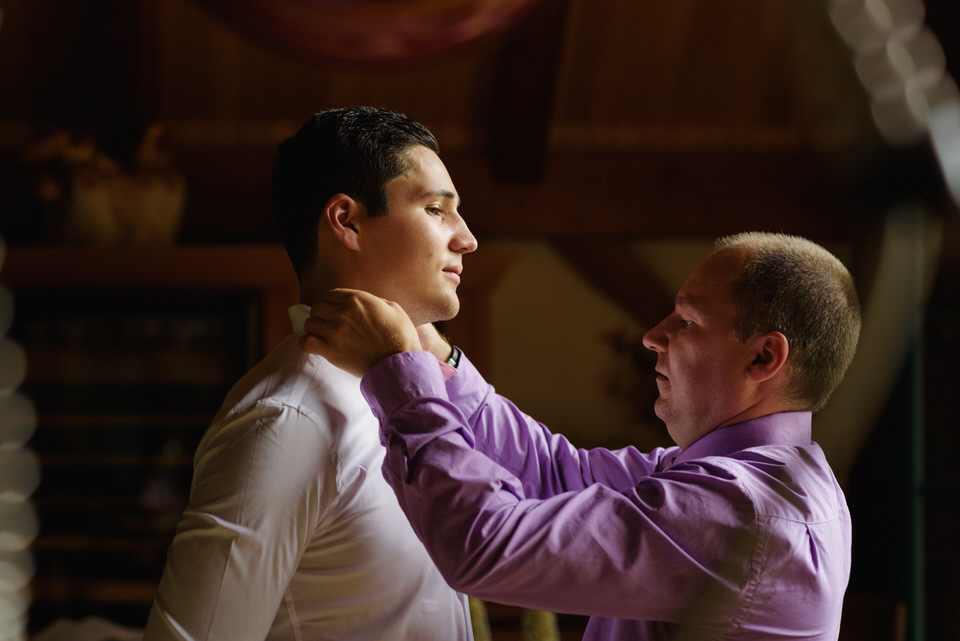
(396,306)
(319,325)
(344,295)
(325,309)
(331,300)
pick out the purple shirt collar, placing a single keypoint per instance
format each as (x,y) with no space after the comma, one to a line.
(784,428)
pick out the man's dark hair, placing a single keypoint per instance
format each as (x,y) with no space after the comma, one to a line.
(792,285)
(355,151)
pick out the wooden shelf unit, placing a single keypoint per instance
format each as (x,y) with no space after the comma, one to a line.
(129,353)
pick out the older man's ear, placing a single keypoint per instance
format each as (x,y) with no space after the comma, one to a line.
(771,352)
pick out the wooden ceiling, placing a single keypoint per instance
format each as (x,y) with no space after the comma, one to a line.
(688,117)
(612,118)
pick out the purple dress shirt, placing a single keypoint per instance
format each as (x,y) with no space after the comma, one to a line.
(744,535)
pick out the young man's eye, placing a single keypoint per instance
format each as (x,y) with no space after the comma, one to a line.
(436,211)
(685,323)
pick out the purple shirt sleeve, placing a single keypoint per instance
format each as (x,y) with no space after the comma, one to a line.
(513,514)
(546,462)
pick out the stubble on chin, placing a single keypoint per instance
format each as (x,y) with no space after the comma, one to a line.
(438,312)
(448,313)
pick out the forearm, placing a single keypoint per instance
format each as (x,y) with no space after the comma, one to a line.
(548,463)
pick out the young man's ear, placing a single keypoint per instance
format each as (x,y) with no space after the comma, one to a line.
(770,356)
(342,215)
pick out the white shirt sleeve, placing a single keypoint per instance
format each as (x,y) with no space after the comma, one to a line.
(255,502)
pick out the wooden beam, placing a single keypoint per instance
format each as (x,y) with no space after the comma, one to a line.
(522,103)
(669,194)
(615,270)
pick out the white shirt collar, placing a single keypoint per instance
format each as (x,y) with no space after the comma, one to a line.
(298,316)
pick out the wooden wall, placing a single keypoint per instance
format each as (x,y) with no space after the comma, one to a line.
(683,119)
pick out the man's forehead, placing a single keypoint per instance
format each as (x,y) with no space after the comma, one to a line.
(426,177)
(706,286)
(695,300)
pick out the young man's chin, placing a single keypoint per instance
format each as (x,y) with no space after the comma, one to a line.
(436,313)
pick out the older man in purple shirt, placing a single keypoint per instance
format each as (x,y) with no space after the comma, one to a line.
(739,532)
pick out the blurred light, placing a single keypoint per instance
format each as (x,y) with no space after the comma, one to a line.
(19,419)
(863,24)
(19,527)
(945,134)
(13,606)
(901,118)
(14,367)
(906,17)
(902,66)
(16,570)
(19,477)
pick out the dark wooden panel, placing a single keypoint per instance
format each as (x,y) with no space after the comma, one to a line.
(527,70)
(643,194)
(612,268)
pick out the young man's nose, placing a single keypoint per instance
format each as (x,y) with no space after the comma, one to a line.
(464,241)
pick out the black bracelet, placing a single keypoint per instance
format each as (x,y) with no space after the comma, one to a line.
(454,359)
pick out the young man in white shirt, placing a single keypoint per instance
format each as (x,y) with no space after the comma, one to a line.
(291,531)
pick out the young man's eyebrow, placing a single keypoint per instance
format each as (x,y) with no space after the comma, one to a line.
(444,193)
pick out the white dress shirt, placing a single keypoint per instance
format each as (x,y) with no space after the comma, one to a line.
(291,531)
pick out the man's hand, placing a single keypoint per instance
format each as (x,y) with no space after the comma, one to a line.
(354,330)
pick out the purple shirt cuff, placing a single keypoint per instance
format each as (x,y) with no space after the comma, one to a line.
(401,378)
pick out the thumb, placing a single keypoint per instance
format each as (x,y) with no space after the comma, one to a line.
(314,345)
